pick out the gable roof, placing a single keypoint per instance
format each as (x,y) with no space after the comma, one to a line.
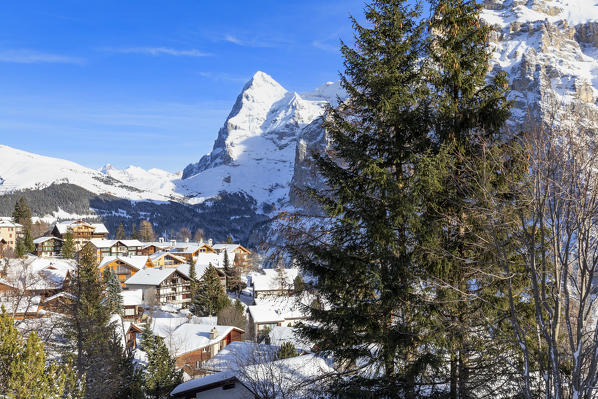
(136,261)
(229,247)
(9,223)
(101,243)
(152,276)
(62,227)
(44,239)
(269,281)
(161,254)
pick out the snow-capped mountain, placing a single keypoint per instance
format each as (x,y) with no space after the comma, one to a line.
(255,149)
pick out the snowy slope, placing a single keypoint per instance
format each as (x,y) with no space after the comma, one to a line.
(22,170)
(155,181)
(255,150)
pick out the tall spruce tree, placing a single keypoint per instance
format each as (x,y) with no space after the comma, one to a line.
(134,233)
(68,246)
(233,276)
(160,375)
(22,213)
(114,300)
(376,311)
(469,112)
(210,297)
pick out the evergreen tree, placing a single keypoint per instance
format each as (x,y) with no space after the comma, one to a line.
(229,239)
(193,277)
(367,274)
(210,297)
(233,276)
(25,371)
(28,241)
(120,232)
(22,213)
(92,340)
(114,300)
(68,246)
(286,350)
(20,248)
(468,114)
(298,284)
(134,233)
(161,375)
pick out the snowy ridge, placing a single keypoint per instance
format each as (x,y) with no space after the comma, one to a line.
(21,170)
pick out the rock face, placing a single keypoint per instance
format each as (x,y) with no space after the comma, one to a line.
(549,48)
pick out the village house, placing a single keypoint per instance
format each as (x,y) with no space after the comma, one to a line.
(115,248)
(82,231)
(123,266)
(3,246)
(161,286)
(273,282)
(150,248)
(10,232)
(132,334)
(242,256)
(48,246)
(165,259)
(191,250)
(271,312)
(132,304)
(192,343)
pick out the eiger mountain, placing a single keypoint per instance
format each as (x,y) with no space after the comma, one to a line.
(260,157)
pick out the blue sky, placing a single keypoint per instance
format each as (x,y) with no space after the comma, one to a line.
(149,83)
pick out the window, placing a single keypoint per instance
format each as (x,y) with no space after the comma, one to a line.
(198,364)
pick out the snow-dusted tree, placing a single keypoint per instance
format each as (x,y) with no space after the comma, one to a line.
(146,231)
(25,371)
(233,315)
(120,232)
(286,350)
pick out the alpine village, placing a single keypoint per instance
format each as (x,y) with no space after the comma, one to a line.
(427,227)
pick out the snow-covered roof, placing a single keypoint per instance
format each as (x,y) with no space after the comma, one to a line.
(100,243)
(7,222)
(204,381)
(199,269)
(298,376)
(279,335)
(99,228)
(136,261)
(34,273)
(181,336)
(270,280)
(21,304)
(132,297)
(151,276)
(157,244)
(216,259)
(238,353)
(264,314)
(287,307)
(44,239)
(228,247)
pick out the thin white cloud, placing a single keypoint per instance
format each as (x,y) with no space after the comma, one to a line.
(322,45)
(25,56)
(159,51)
(252,42)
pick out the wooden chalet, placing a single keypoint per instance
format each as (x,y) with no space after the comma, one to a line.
(82,231)
(105,248)
(48,247)
(161,286)
(192,250)
(10,232)
(123,266)
(131,335)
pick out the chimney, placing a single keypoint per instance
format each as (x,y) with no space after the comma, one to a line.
(213,333)
(186,239)
(173,243)
(161,239)
(210,242)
